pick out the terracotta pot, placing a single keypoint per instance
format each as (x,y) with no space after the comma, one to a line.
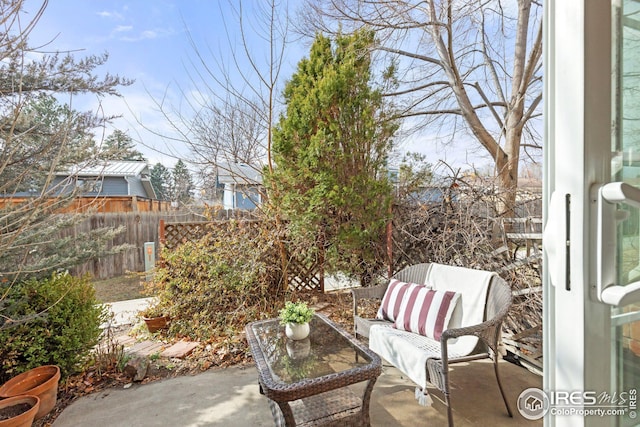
(634,344)
(41,382)
(154,324)
(24,419)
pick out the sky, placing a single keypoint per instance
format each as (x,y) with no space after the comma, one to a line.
(149,41)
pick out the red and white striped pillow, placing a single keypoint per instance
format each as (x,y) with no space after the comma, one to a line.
(391,300)
(426,311)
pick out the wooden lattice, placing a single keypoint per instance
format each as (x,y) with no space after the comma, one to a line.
(301,275)
(305,276)
(174,234)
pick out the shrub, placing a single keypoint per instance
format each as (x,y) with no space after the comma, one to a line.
(64,324)
(211,288)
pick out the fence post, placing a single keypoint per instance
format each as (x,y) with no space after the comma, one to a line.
(161,232)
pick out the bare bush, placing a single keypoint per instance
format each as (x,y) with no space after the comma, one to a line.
(456,224)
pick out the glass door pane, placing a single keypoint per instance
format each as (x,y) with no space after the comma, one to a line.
(626,167)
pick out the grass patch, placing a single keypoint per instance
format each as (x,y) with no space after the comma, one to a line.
(119,288)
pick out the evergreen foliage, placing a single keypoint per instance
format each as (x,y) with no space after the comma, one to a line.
(120,146)
(161,179)
(330,149)
(40,136)
(182,185)
(64,324)
(47,126)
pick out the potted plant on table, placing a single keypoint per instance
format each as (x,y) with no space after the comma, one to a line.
(296,317)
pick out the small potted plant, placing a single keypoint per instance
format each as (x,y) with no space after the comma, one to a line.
(296,316)
(154,318)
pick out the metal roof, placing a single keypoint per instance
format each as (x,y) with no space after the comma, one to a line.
(109,168)
(239,173)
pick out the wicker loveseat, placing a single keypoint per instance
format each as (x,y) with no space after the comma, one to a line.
(473,330)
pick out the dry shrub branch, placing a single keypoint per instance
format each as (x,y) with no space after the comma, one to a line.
(456,224)
(214,286)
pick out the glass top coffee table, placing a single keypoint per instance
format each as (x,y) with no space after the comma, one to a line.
(314,381)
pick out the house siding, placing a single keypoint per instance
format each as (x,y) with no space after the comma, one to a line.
(248,198)
(136,188)
(237,196)
(108,186)
(114,186)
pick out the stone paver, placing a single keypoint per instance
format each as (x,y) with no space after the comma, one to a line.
(180,349)
(146,348)
(125,340)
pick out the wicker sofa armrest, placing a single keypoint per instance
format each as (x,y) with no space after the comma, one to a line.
(373,292)
(488,331)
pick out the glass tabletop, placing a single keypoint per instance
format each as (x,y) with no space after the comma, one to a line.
(325,351)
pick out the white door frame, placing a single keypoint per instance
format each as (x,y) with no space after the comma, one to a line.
(577,146)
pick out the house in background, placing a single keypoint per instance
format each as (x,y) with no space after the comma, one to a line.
(110,186)
(110,178)
(241,184)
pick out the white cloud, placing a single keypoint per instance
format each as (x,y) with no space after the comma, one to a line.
(147,35)
(122,29)
(110,15)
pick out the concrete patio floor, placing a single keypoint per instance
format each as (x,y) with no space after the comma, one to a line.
(230,397)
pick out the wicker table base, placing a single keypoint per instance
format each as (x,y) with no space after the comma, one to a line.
(337,407)
(317,388)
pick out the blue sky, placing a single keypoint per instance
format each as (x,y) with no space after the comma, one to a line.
(147,40)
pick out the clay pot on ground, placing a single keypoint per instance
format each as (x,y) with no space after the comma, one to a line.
(41,382)
(154,324)
(18,411)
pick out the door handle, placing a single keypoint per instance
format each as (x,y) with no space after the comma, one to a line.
(606,215)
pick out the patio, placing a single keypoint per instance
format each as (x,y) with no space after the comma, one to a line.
(230,397)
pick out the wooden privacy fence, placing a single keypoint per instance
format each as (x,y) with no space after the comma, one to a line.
(139,228)
(302,274)
(111,204)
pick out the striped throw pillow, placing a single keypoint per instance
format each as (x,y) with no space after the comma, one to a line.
(426,311)
(391,300)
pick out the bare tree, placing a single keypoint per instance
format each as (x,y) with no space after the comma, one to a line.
(40,136)
(231,133)
(230,119)
(232,116)
(461,65)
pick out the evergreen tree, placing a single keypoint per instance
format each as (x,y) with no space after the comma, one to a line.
(161,181)
(120,146)
(182,183)
(38,137)
(331,150)
(51,125)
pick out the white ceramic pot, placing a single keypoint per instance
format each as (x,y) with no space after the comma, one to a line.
(297,331)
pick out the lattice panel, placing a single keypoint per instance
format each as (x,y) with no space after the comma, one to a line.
(304,277)
(301,275)
(177,233)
